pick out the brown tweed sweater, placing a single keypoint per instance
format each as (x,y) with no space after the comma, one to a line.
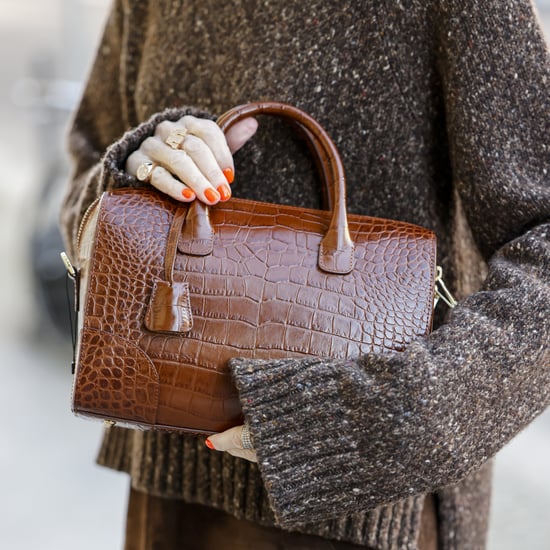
(440,110)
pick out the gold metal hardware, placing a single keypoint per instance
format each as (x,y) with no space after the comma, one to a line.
(68,264)
(441,290)
(85,219)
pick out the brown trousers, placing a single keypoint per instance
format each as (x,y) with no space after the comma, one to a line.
(155,523)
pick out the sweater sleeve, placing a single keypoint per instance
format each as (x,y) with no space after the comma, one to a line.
(336,437)
(101,136)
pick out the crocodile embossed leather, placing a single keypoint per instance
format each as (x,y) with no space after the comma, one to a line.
(170,292)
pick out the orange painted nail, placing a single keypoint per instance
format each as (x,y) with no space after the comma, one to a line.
(229,175)
(211,195)
(208,443)
(188,194)
(224,191)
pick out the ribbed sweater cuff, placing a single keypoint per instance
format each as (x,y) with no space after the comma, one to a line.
(283,399)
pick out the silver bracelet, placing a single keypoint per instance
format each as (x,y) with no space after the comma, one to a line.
(245,438)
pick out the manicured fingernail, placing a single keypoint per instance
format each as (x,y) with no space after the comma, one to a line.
(211,195)
(208,443)
(224,191)
(229,175)
(188,194)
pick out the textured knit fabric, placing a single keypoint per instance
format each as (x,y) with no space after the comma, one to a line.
(440,111)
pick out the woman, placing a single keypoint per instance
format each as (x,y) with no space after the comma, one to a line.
(439,109)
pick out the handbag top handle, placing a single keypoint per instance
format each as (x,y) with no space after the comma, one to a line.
(316,148)
(336,250)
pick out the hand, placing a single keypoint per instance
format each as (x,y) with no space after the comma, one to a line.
(198,164)
(231,441)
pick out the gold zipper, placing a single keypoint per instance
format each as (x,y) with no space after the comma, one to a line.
(84,219)
(72,270)
(441,290)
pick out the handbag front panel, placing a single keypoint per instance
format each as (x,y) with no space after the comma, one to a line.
(258,294)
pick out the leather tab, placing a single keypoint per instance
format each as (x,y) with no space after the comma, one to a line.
(169,309)
(335,257)
(197,237)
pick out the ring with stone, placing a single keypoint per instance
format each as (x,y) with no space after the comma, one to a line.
(245,438)
(145,170)
(176,138)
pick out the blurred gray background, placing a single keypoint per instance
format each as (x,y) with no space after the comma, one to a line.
(52,496)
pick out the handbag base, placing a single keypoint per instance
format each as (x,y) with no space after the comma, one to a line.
(111,422)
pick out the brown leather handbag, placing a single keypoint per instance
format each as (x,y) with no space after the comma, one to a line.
(170,292)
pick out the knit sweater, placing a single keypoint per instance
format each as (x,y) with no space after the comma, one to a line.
(440,111)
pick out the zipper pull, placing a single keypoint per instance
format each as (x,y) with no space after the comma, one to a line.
(72,274)
(71,270)
(441,290)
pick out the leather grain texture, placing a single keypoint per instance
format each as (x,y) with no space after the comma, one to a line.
(160,318)
(259,294)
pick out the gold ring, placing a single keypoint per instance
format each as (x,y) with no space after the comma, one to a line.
(176,137)
(145,170)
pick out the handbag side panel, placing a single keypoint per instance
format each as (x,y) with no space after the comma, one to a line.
(114,379)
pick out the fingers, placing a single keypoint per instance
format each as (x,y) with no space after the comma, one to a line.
(192,158)
(205,143)
(230,441)
(160,178)
(213,137)
(239,134)
(195,163)
(165,182)
(187,168)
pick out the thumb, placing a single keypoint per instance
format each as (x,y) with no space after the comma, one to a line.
(231,442)
(240,133)
(230,439)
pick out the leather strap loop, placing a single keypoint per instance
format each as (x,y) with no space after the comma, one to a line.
(336,252)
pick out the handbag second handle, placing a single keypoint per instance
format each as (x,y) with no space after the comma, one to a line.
(336,250)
